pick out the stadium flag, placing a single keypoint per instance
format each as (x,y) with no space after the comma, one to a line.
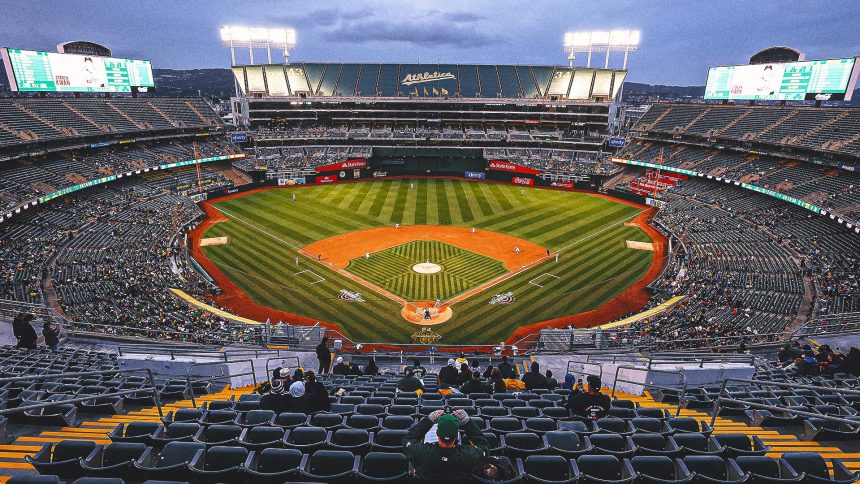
(435,92)
(416,92)
(425,92)
(444,92)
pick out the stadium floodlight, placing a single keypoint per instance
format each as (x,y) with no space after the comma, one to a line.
(601,41)
(234,36)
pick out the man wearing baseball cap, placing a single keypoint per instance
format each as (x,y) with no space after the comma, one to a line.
(591,403)
(445,461)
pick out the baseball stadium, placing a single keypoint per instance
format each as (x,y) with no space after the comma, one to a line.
(372,271)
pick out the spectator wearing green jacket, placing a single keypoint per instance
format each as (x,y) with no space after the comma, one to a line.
(445,461)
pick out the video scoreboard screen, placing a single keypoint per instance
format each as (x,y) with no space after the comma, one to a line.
(35,71)
(819,80)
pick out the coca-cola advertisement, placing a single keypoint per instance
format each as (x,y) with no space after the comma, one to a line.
(522,180)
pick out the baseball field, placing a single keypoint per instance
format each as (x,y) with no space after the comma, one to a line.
(552,254)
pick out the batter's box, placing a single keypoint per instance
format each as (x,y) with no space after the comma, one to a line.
(313,276)
(544,275)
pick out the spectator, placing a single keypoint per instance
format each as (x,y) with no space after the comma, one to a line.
(498,382)
(551,383)
(324,356)
(475,385)
(448,374)
(371,368)
(462,359)
(533,378)
(464,375)
(353,369)
(340,367)
(276,399)
(591,403)
(317,395)
(24,332)
(51,332)
(297,401)
(409,383)
(298,375)
(507,369)
(444,461)
(569,382)
(488,373)
(418,370)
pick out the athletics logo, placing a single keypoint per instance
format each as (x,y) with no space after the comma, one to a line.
(411,79)
(350,296)
(505,298)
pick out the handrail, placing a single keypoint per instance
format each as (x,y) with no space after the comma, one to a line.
(651,385)
(281,358)
(155,392)
(773,408)
(253,373)
(720,398)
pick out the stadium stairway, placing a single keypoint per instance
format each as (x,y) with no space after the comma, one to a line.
(12,455)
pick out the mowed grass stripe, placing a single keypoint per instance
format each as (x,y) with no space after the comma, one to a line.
(540,214)
(399,203)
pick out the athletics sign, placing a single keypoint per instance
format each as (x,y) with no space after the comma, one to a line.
(344,165)
(420,77)
(502,165)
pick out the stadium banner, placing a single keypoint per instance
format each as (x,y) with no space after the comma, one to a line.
(326,178)
(240,137)
(380,174)
(523,180)
(479,175)
(563,184)
(344,165)
(502,165)
(617,142)
(291,181)
(748,186)
(106,179)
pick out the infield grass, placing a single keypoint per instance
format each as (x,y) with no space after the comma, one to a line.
(267,227)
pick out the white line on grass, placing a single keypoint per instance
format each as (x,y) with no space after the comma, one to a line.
(319,277)
(593,234)
(533,283)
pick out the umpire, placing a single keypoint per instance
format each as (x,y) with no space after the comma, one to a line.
(445,461)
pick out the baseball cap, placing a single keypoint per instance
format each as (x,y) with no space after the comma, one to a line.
(447,428)
(593,382)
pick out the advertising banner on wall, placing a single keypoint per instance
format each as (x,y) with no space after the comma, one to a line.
(326,178)
(292,181)
(562,184)
(479,175)
(502,165)
(522,180)
(344,165)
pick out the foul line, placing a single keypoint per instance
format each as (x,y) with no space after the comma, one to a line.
(593,234)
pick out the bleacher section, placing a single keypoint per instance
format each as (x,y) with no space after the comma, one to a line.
(822,129)
(31,120)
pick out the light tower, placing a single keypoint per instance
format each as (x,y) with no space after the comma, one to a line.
(235,36)
(601,41)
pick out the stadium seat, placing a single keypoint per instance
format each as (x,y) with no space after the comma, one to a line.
(261,437)
(522,444)
(713,469)
(290,420)
(767,470)
(696,444)
(274,465)
(603,469)
(328,421)
(541,425)
(387,440)
(61,459)
(219,435)
(255,417)
(171,463)
(219,464)
(141,432)
(688,424)
(176,432)
(613,425)
(566,443)
(654,444)
(737,445)
(357,441)
(814,467)
(383,467)
(364,422)
(114,460)
(331,466)
(306,439)
(504,425)
(396,422)
(549,469)
(658,469)
(611,444)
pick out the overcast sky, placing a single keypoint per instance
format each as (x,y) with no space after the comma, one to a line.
(680,38)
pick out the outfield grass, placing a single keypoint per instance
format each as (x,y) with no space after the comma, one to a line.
(587,230)
(391,269)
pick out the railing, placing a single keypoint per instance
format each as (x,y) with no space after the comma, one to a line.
(834,324)
(153,389)
(214,352)
(252,373)
(718,403)
(644,384)
(282,360)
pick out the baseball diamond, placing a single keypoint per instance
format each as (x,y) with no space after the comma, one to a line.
(268,230)
(392,270)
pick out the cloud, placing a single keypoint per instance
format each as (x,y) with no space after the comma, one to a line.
(319,18)
(433,31)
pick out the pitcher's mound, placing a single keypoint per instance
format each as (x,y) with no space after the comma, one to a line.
(414,313)
(426,268)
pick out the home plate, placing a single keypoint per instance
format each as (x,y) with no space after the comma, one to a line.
(635,244)
(214,241)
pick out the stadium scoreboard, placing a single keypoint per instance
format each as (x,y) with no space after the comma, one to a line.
(36,71)
(818,80)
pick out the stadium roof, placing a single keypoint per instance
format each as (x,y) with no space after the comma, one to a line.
(470,81)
